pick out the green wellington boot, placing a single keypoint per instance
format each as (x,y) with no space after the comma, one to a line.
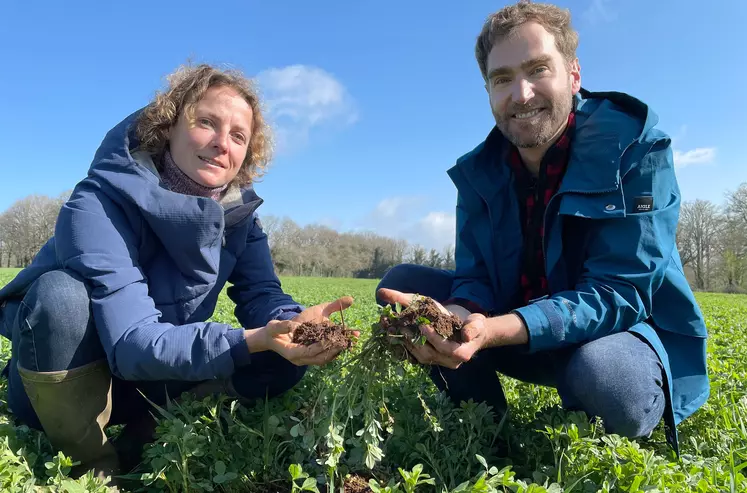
(73,407)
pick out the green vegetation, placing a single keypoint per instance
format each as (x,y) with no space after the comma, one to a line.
(396,434)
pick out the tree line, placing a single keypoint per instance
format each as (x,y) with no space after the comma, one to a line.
(312,250)
(711,240)
(316,250)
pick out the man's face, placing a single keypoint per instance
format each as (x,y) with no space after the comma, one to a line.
(531,86)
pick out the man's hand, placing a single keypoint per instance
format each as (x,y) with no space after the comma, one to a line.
(505,330)
(437,350)
(440,351)
(478,332)
(392,296)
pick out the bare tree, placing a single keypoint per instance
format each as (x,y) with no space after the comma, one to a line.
(736,204)
(698,238)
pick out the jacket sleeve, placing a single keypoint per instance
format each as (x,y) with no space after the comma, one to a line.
(95,238)
(626,261)
(256,289)
(471,282)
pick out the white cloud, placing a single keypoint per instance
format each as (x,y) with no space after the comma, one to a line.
(301,97)
(407,218)
(699,155)
(598,12)
(436,230)
(394,208)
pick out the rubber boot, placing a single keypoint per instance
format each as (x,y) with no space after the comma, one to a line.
(73,407)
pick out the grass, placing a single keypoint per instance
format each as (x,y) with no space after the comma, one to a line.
(402,436)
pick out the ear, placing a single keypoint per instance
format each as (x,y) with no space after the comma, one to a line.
(574,73)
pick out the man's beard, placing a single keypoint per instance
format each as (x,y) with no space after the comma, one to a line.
(554,115)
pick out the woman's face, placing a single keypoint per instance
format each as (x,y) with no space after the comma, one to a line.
(211,148)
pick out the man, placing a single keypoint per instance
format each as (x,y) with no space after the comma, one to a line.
(567,273)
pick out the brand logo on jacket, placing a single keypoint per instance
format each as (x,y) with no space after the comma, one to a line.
(643,204)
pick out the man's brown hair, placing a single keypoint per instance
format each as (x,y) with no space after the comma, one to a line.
(500,24)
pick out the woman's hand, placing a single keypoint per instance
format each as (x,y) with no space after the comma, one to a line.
(322,311)
(277,335)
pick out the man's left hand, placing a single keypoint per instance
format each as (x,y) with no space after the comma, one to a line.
(479,332)
(450,354)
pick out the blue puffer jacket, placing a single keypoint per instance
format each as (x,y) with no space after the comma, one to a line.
(610,253)
(156,262)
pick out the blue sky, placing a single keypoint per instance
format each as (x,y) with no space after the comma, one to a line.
(372,101)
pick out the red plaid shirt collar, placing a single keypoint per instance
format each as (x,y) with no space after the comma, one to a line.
(535,193)
(533,280)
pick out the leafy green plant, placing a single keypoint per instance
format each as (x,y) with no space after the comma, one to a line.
(325,428)
(297,473)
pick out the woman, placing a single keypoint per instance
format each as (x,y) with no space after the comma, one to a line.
(117,301)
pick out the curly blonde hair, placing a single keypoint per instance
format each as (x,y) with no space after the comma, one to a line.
(186,86)
(555,20)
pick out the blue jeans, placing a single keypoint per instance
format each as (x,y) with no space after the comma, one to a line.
(52,329)
(618,378)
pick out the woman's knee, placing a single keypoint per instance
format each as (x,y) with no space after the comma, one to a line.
(56,330)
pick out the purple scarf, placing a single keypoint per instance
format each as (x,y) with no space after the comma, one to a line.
(178,182)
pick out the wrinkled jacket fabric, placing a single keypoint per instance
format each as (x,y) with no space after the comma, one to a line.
(156,262)
(610,253)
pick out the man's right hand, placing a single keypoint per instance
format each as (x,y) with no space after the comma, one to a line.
(437,350)
(392,296)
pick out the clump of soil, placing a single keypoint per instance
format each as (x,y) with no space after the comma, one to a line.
(356,484)
(422,311)
(330,335)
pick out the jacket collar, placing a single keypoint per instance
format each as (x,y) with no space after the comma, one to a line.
(606,124)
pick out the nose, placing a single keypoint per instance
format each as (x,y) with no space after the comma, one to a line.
(522,91)
(220,141)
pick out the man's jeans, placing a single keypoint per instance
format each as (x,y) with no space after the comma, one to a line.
(53,329)
(618,378)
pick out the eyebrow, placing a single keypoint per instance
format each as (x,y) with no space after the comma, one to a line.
(524,65)
(212,115)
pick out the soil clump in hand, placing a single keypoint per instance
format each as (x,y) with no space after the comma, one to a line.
(422,311)
(330,335)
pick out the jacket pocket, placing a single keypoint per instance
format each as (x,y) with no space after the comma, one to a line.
(605,205)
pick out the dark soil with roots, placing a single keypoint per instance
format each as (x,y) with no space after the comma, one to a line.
(330,335)
(423,311)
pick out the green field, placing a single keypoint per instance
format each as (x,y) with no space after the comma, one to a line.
(414,439)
